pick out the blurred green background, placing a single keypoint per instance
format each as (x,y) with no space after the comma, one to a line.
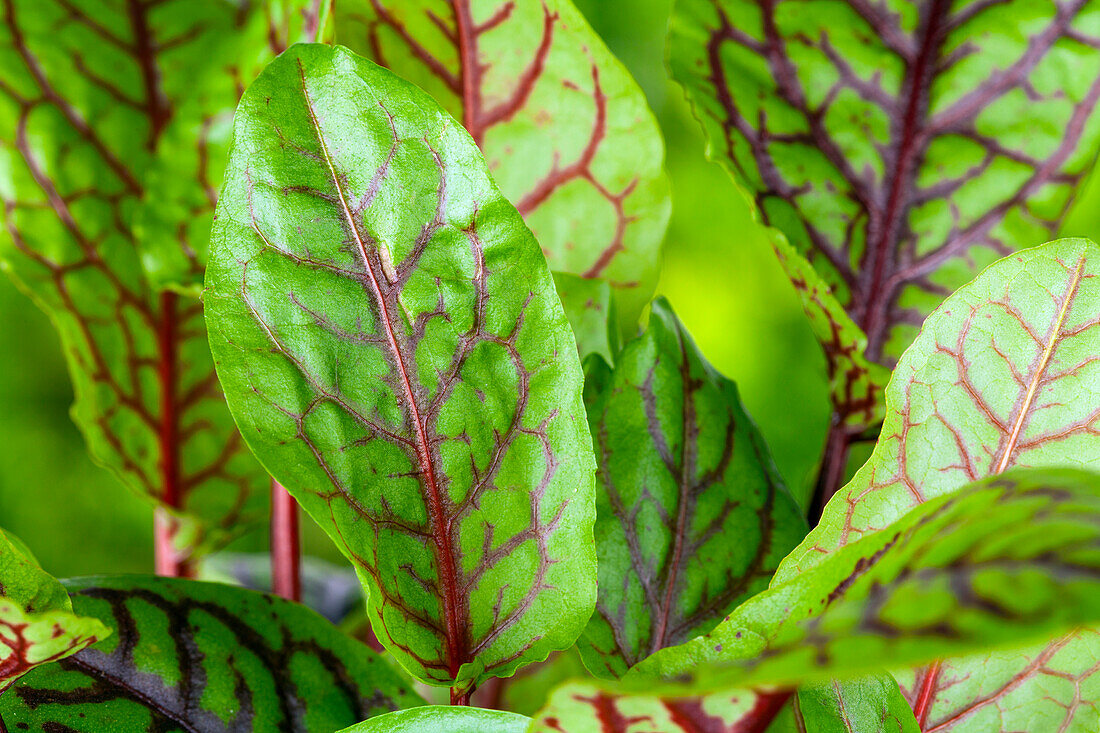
(719,273)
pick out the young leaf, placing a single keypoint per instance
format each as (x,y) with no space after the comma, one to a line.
(1006,372)
(869,705)
(436,718)
(584,707)
(89,93)
(193,656)
(591,311)
(1000,563)
(563,126)
(37,625)
(390,342)
(899,148)
(692,516)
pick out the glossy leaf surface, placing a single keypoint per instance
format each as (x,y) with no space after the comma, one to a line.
(389,338)
(868,705)
(191,656)
(1000,563)
(37,623)
(451,719)
(564,128)
(1006,372)
(692,516)
(91,94)
(899,146)
(581,707)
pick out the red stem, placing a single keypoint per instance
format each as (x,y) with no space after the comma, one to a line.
(165,526)
(460,698)
(834,465)
(285,546)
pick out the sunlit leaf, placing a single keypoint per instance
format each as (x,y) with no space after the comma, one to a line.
(192,656)
(899,146)
(37,623)
(440,718)
(91,95)
(868,705)
(389,338)
(692,516)
(564,128)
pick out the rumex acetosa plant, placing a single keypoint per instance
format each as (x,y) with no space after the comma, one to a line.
(411,281)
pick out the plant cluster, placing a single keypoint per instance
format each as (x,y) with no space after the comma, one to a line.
(396,259)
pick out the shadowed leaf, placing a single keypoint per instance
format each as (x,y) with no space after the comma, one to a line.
(692,515)
(37,625)
(436,718)
(191,656)
(591,311)
(1000,563)
(389,338)
(899,146)
(868,705)
(90,96)
(564,128)
(1005,373)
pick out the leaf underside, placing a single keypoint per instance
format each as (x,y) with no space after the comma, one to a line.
(692,516)
(92,93)
(191,656)
(389,338)
(565,129)
(900,147)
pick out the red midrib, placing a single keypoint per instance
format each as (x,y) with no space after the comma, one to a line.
(927,693)
(874,315)
(469,68)
(456,651)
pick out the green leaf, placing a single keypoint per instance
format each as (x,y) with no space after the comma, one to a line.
(586,707)
(192,656)
(388,335)
(37,625)
(564,128)
(1006,372)
(868,705)
(899,146)
(1001,563)
(444,718)
(692,516)
(590,308)
(90,97)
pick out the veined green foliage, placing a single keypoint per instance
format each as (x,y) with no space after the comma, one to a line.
(191,656)
(1000,563)
(591,311)
(437,718)
(96,98)
(869,705)
(37,623)
(584,707)
(692,516)
(1005,373)
(899,146)
(390,342)
(565,129)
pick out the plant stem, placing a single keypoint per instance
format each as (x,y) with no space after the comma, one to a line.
(165,526)
(460,698)
(834,466)
(285,545)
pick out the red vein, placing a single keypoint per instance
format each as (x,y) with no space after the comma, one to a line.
(927,693)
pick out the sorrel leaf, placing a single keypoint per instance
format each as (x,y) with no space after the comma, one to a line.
(389,338)
(1006,372)
(589,305)
(868,705)
(563,126)
(1000,563)
(585,707)
(192,656)
(692,516)
(89,92)
(37,625)
(899,147)
(436,718)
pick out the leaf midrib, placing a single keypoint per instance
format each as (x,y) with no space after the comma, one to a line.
(444,551)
